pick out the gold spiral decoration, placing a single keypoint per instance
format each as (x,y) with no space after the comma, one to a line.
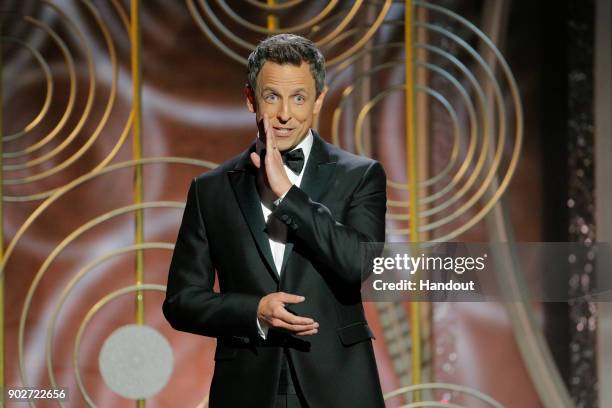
(473,169)
(48,94)
(324,28)
(74,235)
(429,387)
(90,314)
(46,159)
(76,279)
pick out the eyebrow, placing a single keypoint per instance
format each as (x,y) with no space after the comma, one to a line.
(268,88)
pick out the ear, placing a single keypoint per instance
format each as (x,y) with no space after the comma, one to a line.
(319,102)
(249,95)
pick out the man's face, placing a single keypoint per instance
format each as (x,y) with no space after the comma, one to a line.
(287,93)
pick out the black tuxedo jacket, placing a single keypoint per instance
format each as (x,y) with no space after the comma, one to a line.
(341,203)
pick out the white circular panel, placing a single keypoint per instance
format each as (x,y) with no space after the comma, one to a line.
(136,361)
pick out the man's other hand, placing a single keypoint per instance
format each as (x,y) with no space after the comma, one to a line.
(272,310)
(273,167)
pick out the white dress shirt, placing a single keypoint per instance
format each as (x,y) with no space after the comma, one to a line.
(277,230)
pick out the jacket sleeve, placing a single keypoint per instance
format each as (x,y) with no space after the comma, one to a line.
(337,245)
(191,305)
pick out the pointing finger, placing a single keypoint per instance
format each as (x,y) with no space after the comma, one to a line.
(308,332)
(289,298)
(255,159)
(287,317)
(270,137)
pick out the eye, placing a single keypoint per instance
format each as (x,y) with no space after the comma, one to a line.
(271,98)
(299,99)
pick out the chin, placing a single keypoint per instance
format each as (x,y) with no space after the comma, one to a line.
(284,147)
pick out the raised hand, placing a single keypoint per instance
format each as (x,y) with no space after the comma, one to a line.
(273,167)
(272,310)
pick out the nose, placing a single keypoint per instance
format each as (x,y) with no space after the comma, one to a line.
(284,114)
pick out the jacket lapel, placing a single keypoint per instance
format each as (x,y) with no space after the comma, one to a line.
(317,177)
(319,169)
(242,179)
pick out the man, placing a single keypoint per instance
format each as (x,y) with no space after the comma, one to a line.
(282,224)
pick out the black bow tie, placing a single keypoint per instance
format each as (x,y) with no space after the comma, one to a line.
(294,160)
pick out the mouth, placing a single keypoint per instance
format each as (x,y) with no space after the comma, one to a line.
(283,131)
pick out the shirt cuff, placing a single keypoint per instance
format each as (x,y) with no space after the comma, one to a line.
(262,328)
(280,199)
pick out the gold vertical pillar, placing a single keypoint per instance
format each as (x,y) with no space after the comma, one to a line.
(137,154)
(363,93)
(422,126)
(411,164)
(272,19)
